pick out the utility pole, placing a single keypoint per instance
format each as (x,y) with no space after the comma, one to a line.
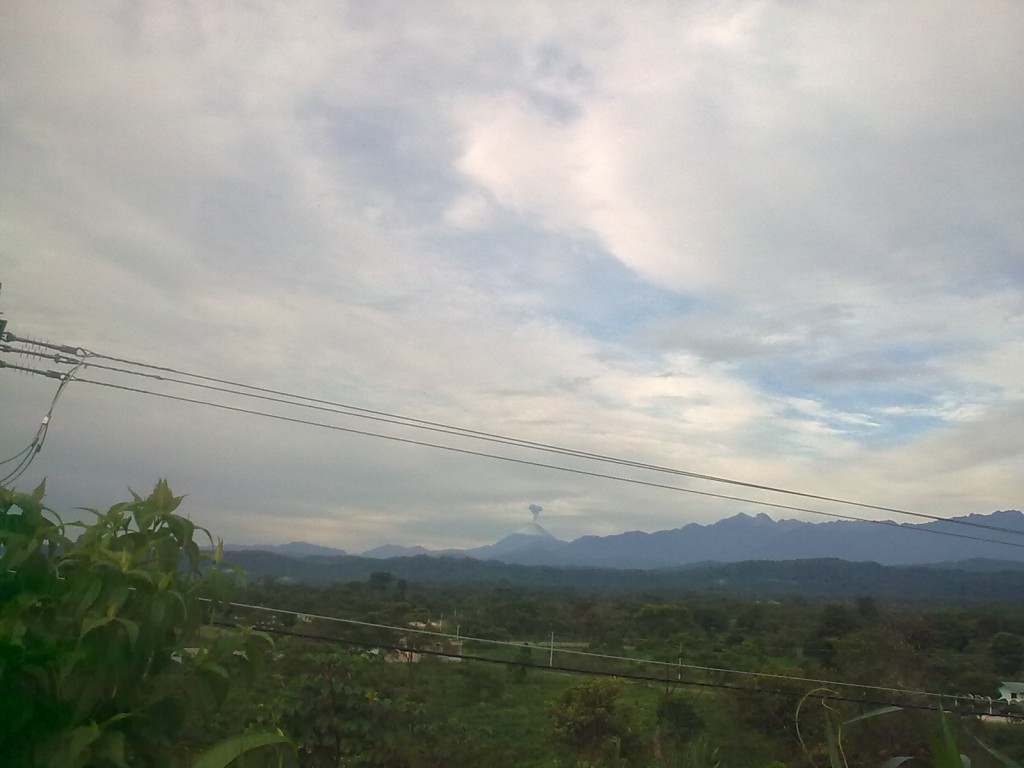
(3,321)
(551,650)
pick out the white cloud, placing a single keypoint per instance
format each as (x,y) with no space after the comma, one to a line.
(710,164)
(752,240)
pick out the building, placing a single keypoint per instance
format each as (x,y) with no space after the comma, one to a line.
(1011,693)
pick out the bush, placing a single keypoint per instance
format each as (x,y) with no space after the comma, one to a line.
(103,652)
(591,718)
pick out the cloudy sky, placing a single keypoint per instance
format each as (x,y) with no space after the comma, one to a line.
(781,242)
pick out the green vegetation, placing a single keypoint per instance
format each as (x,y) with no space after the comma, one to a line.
(103,658)
(978,582)
(109,656)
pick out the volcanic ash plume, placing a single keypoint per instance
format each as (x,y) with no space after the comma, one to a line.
(535,510)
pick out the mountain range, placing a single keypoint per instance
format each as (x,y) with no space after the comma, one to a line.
(998,536)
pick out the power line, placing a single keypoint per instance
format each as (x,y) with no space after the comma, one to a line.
(29,452)
(82,358)
(524,462)
(529,463)
(814,694)
(505,439)
(36,445)
(669,666)
(287,398)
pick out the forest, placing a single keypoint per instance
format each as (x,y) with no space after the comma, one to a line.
(124,641)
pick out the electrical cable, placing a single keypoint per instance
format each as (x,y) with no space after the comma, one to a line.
(670,665)
(29,453)
(17,455)
(65,348)
(482,454)
(822,696)
(526,462)
(451,429)
(406,421)
(35,446)
(832,696)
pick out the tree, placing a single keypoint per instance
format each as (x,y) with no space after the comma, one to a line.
(338,715)
(518,669)
(678,718)
(836,622)
(591,718)
(1007,653)
(482,682)
(103,651)
(661,620)
(381,580)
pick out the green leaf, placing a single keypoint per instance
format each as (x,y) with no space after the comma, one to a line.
(944,749)
(77,742)
(163,499)
(132,629)
(229,750)
(87,599)
(896,762)
(833,745)
(111,747)
(157,612)
(1008,762)
(94,623)
(873,713)
(217,669)
(39,492)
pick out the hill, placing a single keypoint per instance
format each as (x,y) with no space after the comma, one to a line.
(998,536)
(814,579)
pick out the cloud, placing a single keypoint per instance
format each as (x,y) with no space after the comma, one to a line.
(753,240)
(736,162)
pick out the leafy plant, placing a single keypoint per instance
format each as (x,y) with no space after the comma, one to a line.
(942,743)
(591,718)
(700,753)
(104,654)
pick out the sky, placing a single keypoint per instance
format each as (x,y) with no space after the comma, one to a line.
(779,242)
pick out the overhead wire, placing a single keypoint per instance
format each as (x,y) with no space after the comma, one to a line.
(32,450)
(417,423)
(668,666)
(37,442)
(817,694)
(526,462)
(86,358)
(20,453)
(544,465)
(575,652)
(28,453)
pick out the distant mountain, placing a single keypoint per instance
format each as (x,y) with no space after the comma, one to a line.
(827,579)
(530,545)
(535,531)
(980,565)
(394,550)
(749,538)
(743,537)
(292,549)
(734,539)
